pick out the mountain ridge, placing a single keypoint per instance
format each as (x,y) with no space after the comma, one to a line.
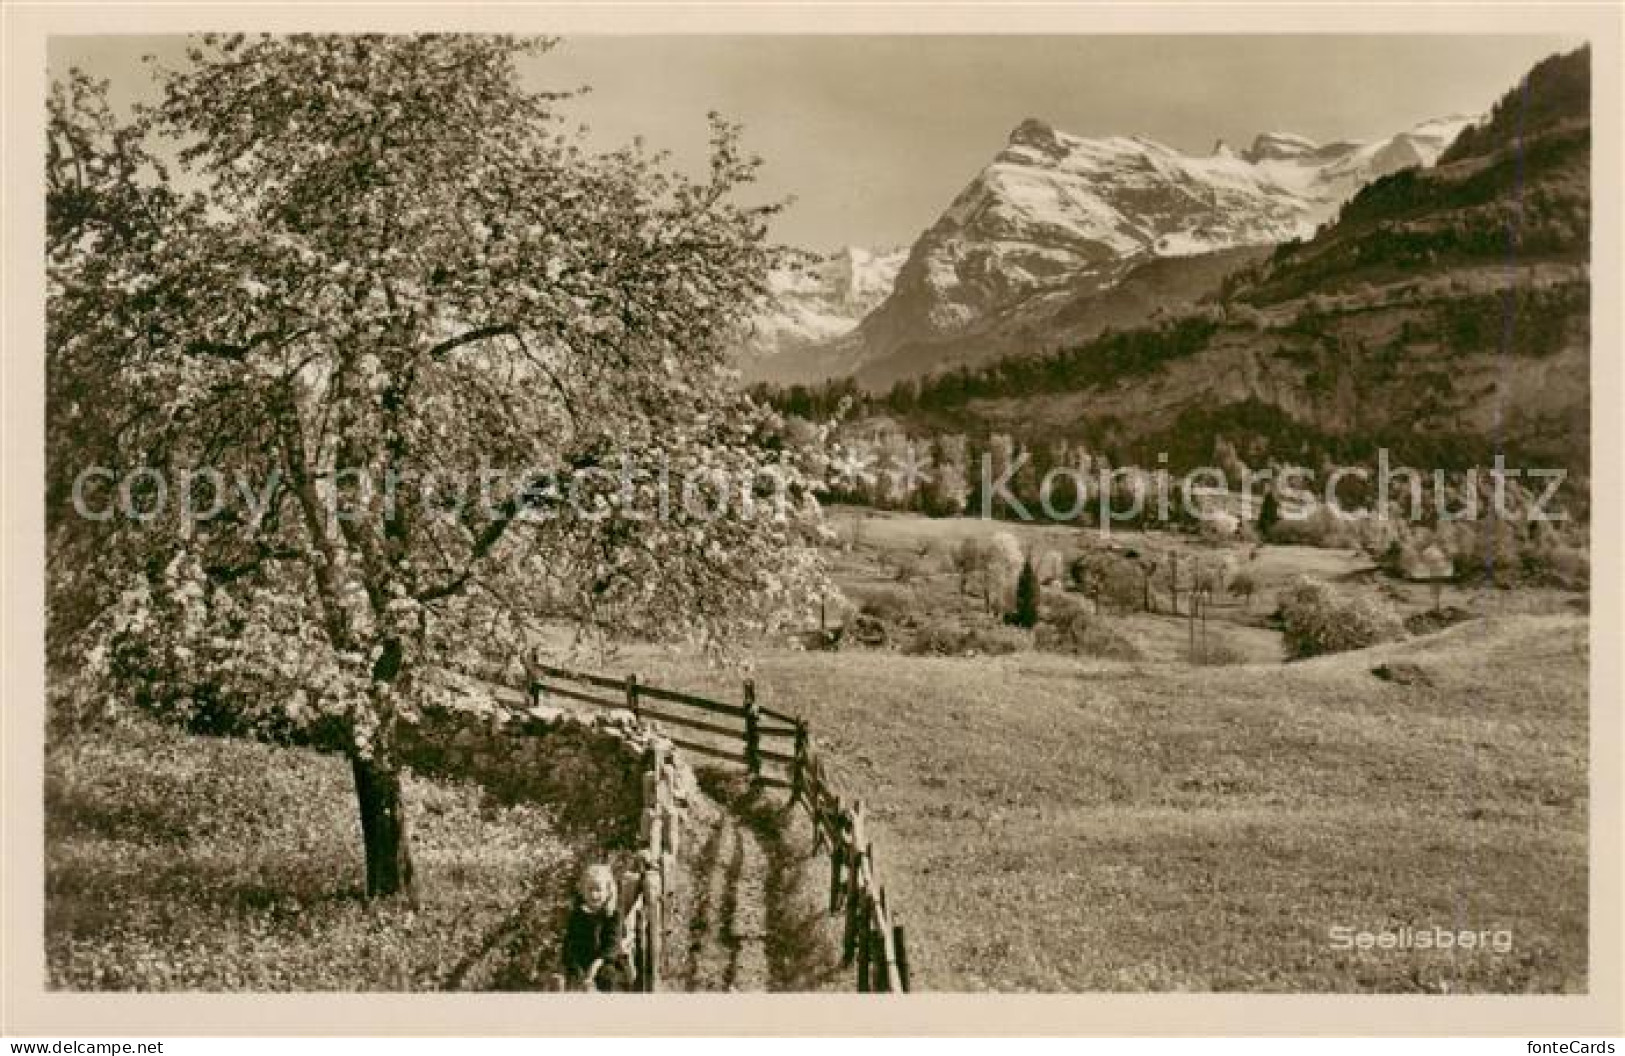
(1443,314)
(1055,217)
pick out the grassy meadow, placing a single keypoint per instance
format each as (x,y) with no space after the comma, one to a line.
(1058,822)
(1044,821)
(180,862)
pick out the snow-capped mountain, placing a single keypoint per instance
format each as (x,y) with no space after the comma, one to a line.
(1056,215)
(1329,175)
(826,300)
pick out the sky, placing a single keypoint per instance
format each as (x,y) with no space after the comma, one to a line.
(874,136)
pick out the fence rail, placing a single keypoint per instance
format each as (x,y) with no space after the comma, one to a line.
(872,940)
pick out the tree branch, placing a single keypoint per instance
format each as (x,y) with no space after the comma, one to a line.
(478,334)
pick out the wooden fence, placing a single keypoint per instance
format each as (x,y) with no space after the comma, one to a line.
(777,750)
(757,738)
(872,939)
(647,889)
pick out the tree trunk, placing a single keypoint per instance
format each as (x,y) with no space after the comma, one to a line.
(378,792)
(383,826)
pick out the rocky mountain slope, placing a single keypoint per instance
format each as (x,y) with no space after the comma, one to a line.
(1444,311)
(1056,218)
(821,302)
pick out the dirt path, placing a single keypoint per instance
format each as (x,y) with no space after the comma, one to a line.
(759,918)
(728,932)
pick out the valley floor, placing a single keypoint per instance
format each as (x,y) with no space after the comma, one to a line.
(1041,821)
(1048,823)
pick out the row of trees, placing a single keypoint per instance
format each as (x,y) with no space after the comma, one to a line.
(1105,358)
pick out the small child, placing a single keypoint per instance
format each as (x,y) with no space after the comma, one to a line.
(592,935)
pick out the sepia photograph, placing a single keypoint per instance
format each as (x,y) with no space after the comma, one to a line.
(842,513)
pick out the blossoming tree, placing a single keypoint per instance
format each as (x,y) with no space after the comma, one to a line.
(380,367)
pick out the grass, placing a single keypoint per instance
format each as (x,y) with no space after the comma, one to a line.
(1046,823)
(1059,823)
(176,862)
(1043,822)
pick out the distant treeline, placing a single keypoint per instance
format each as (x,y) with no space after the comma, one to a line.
(1107,358)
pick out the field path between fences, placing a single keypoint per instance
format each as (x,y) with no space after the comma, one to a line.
(727,948)
(753,893)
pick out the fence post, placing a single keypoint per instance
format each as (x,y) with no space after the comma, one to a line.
(854,885)
(851,900)
(886,938)
(863,944)
(753,730)
(631,914)
(654,926)
(836,853)
(632,696)
(900,952)
(798,769)
(817,808)
(878,968)
(531,660)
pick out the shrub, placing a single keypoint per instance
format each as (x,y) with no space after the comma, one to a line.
(1217,524)
(1436,619)
(968,559)
(868,630)
(1057,607)
(1110,580)
(937,638)
(1243,586)
(1568,566)
(885,603)
(1026,612)
(1317,620)
(997,641)
(1270,514)
(1083,634)
(1005,561)
(942,638)
(1323,528)
(909,567)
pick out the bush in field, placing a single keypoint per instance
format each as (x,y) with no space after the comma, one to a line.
(1217,524)
(1005,560)
(1026,611)
(943,638)
(1058,607)
(937,638)
(969,559)
(1569,566)
(1110,580)
(1084,634)
(1323,527)
(885,603)
(997,641)
(1316,620)
(1269,514)
(1427,565)
(1243,586)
